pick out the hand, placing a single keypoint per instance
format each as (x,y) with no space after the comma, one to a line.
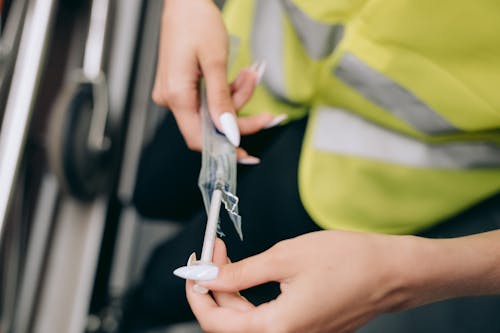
(194,43)
(331,281)
(334,281)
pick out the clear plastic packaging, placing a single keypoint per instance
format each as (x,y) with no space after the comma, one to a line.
(218,167)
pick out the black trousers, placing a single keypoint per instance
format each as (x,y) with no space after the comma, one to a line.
(271,211)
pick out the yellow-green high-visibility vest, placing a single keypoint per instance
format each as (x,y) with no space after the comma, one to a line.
(403,99)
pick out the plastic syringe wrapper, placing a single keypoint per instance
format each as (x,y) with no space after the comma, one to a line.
(218,167)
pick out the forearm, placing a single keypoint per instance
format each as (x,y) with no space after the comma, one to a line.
(471,265)
(448,268)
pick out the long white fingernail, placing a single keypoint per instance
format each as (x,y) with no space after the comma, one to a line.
(230,128)
(276,121)
(249,160)
(259,68)
(197,272)
(199,289)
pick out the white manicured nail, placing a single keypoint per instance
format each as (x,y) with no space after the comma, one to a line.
(276,121)
(259,68)
(230,128)
(249,160)
(197,272)
(199,289)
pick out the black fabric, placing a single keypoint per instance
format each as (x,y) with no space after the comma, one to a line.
(166,185)
(272,211)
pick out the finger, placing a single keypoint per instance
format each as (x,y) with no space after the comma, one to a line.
(231,300)
(220,252)
(189,124)
(253,73)
(241,153)
(247,273)
(243,87)
(236,84)
(254,124)
(176,87)
(214,318)
(220,102)
(245,159)
(242,90)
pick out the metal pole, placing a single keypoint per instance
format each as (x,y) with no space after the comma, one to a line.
(22,96)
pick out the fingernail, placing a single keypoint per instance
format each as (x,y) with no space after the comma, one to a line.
(197,272)
(199,289)
(276,121)
(249,160)
(259,68)
(230,128)
(192,259)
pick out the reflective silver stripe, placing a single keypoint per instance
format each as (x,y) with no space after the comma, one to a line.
(319,39)
(267,42)
(391,96)
(344,133)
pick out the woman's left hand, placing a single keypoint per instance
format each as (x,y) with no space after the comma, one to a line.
(331,281)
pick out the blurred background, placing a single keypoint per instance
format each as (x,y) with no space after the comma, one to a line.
(75,111)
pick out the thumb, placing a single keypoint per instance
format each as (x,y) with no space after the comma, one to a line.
(246,273)
(220,102)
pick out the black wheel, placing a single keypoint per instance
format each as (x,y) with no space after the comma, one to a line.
(82,172)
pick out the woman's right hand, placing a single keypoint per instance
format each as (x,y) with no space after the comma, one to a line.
(193,44)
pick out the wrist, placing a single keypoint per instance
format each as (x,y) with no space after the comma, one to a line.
(431,270)
(414,266)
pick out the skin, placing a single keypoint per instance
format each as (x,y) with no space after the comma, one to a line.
(194,44)
(334,281)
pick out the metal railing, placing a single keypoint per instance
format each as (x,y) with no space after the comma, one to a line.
(18,111)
